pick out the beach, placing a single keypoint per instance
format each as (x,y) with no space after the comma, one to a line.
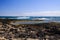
(29,30)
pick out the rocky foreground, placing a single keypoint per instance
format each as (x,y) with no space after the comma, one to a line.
(41,31)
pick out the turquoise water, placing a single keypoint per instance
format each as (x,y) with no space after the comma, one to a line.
(53,18)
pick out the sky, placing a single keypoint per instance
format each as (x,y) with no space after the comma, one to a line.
(29,7)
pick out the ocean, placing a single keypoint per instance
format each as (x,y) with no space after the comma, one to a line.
(50,18)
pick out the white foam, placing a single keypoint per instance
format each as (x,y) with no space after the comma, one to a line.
(24,17)
(40,19)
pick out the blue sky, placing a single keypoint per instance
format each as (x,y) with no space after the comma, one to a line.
(29,7)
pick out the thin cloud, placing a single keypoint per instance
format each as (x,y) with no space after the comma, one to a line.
(42,13)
